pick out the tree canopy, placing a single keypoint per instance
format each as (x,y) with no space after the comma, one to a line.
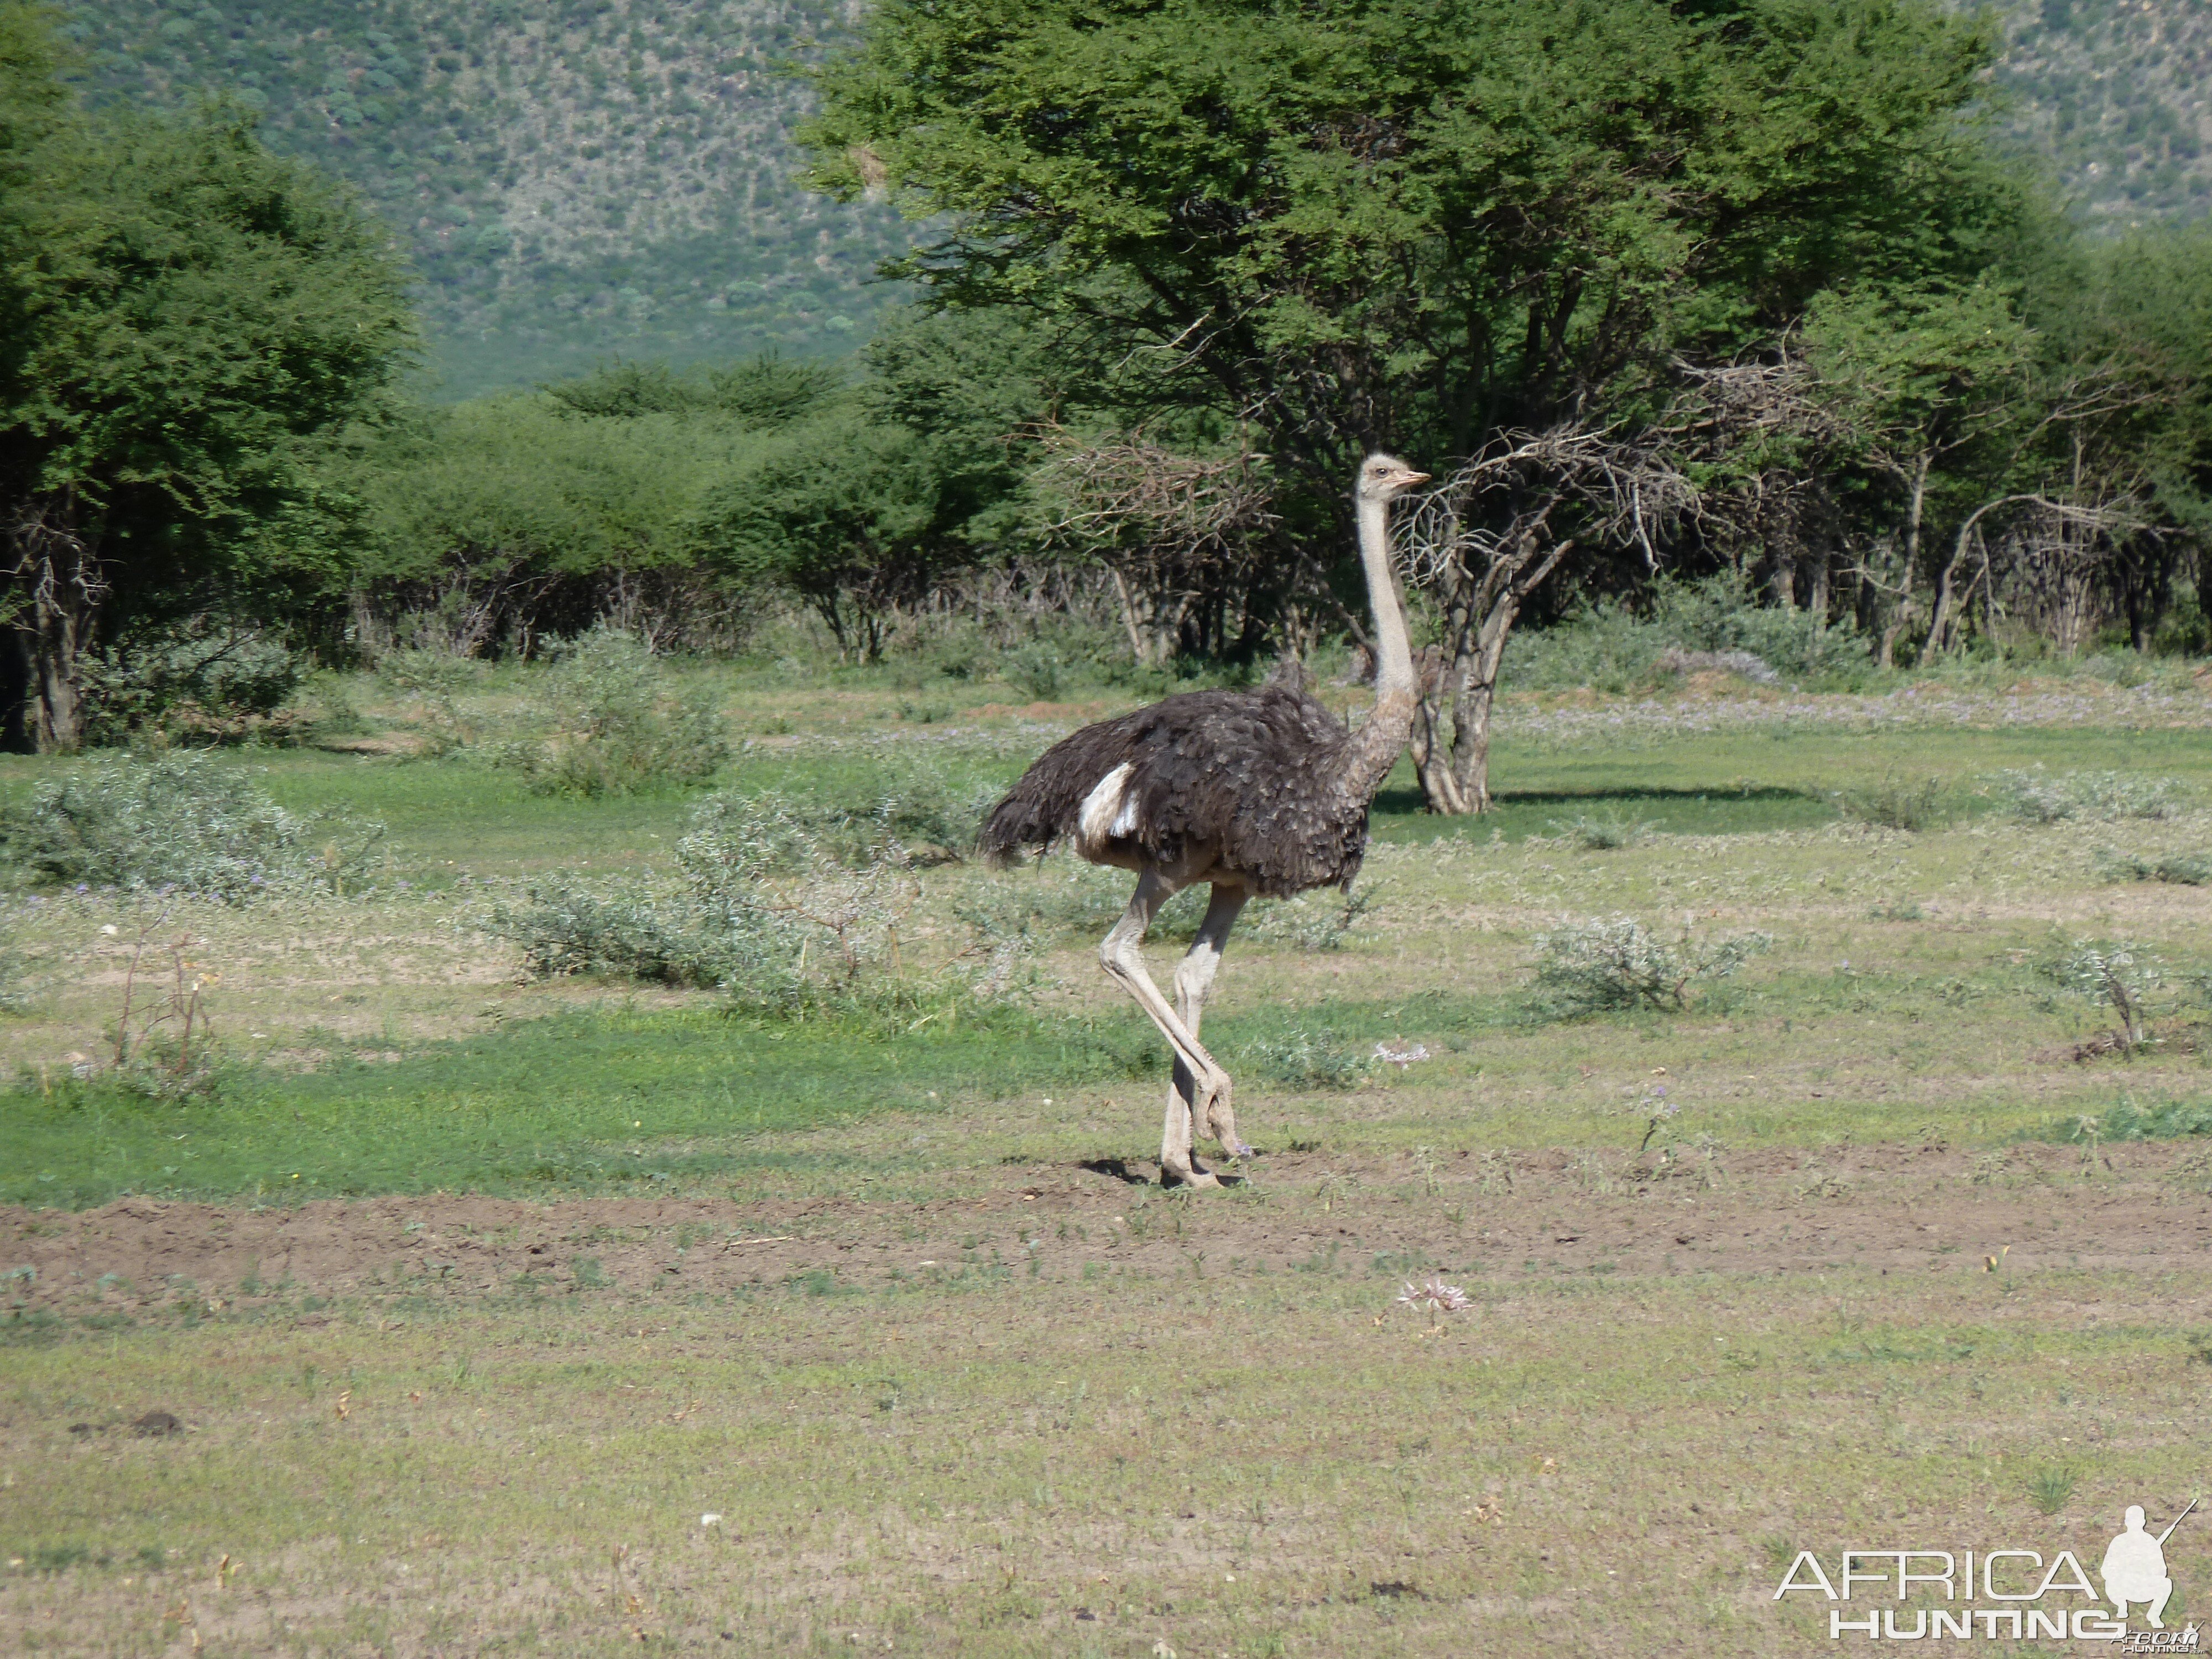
(195,317)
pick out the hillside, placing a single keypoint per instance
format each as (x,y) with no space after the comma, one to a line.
(581,178)
(2117,95)
(574,178)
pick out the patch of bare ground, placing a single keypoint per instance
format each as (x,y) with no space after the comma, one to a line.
(1894,1209)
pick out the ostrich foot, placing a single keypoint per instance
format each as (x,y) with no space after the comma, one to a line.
(1189,1174)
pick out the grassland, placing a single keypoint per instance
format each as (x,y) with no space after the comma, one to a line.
(474,1295)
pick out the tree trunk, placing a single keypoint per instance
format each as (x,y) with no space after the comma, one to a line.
(60,583)
(1916,509)
(1457,783)
(1478,696)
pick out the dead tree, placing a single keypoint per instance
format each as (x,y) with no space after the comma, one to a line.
(1173,531)
(1481,543)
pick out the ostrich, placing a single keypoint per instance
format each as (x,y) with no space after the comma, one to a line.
(1257,792)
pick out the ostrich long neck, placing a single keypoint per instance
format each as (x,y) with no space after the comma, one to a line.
(1375,747)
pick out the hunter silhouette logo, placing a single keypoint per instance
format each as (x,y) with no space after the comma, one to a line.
(2135,1568)
(2023,1597)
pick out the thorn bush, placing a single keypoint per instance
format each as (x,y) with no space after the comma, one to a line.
(2039,797)
(1601,963)
(620,727)
(184,820)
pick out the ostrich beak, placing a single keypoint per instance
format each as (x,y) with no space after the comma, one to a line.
(1407,480)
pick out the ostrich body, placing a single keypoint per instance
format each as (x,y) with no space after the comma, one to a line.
(1258,793)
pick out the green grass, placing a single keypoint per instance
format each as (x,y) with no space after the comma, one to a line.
(609,1099)
(605,1100)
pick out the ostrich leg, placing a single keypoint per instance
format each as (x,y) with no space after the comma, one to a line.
(1121,956)
(1193,979)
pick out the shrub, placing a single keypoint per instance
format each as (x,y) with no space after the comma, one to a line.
(1038,670)
(2117,973)
(1897,803)
(1715,623)
(565,929)
(1720,614)
(196,681)
(913,809)
(434,678)
(2181,869)
(1589,967)
(773,941)
(2175,1120)
(183,820)
(620,728)
(2037,797)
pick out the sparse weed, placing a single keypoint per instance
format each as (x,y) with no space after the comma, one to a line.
(2050,1486)
(434,678)
(1312,921)
(1612,962)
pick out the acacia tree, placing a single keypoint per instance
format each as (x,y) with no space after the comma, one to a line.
(1412,224)
(194,317)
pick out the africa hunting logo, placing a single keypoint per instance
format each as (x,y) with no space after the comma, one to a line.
(2027,1598)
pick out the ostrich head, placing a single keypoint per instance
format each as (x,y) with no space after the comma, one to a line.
(1383,478)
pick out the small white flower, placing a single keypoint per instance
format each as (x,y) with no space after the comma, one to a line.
(710,1519)
(108,930)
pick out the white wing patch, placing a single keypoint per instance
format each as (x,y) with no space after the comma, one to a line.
(1108,813)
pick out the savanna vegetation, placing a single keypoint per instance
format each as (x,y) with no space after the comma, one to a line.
(528,1130)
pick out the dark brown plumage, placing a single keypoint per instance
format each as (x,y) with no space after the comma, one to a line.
(1252,774)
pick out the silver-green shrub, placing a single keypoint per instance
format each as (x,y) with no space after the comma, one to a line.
(2040,797)
(766,911)
(1615,962)
(619,726)
(185,821)
(2120,974)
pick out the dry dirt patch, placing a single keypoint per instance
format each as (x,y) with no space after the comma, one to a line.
(1898,1209)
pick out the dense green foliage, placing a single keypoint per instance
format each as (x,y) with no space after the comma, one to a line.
(192,318)
(1412,225)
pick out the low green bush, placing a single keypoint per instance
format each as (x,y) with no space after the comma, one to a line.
(2180,869)
(619,725)
(193,682)
(1612,963)
(1895,802)
(1683,626)
(185,821)
(1304,1059)
(2041,796)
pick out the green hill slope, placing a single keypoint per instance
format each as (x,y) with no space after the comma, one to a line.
(582,178)
(575,178)
(2118,94)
